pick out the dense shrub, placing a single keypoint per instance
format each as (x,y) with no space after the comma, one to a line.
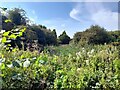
(93,35)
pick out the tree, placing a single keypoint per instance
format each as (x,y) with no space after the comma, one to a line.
(51,37)
(54,36)
(97,35)
(7,26)
(54,33)
(34,32)
(64,38)
(115,36)
(94,35)
(17,16)
(77,36)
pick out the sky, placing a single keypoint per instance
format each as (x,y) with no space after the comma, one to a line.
(70,16)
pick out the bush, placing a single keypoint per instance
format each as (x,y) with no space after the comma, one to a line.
(93,35)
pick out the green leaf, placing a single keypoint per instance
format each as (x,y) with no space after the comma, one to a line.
(20,33)
(2,66)
(9,45)
(23,30)
(12,36)
(2,75)
(6,33)
(4,39)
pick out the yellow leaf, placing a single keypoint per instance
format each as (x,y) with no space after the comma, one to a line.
(8,20)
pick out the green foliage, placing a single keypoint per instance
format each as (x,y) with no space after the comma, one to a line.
(7,24)
(91,67)
(36,33)
(93,35)
(17,16)
(44,36)
(51,37)
(115,36)
(86,68)
(64,38)
(77,37)
(10,38)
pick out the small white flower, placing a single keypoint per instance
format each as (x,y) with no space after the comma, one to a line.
(26,63)
(87,62)
(10,65)
(34,58)
(88,53)
(17,29)
(92,51)
(97,84)
(78,54)
(78,69)
(8,41)
(2,31)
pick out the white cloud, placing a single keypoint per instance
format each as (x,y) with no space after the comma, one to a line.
(95,13)
(106,18)
(75,12)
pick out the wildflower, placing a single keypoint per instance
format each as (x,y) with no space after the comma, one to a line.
(10,65)
(80,70)
(92,51)
(26,63)
(78,54)
(2,31)
(97,84)
(87,62)
(17,29)
(41,61)
(8,41)
(34,58)
(83,50)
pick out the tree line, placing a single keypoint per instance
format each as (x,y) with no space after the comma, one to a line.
(16,18)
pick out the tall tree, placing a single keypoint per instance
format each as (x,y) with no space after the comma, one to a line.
(64,38)
(17,16)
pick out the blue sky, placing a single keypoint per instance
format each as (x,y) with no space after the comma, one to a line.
(70,16)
